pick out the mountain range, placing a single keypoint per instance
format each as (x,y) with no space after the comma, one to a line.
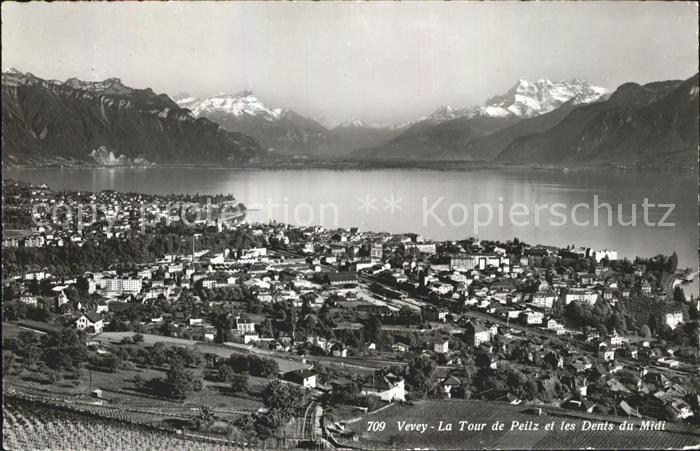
(48,121)
(279,129)
(538,121)
(283,130)
(451,133)
(638,123)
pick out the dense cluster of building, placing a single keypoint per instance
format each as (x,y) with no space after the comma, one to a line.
(487,296)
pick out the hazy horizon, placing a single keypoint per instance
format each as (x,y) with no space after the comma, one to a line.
(385,62)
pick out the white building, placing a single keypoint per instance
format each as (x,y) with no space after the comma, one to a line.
(121,284)
(90,322)
(245,328)
(481,262)
(617,340)
(605,253)
(439,345)
(544,299)
(377,251)
(250,338)
(533,317)
(29,300)
(388,388)
(581,295)
(674,319)
(423,248)
(553,325)
(305,378)
(338,350)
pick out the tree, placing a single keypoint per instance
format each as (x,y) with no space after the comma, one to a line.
(75,375)
(177,355)
(39,314)
(516,382)
(8,360)
(672,262)
(263,367)
(292,320)
(679,295)
(531,389)
(306,308)
(269,424)
(28,347)
(137,338)
(14,310)
(66,348)
(373,327)
(483,360)
(54,376)
(82,284)
(239,382)
(167,329)
(206,416)
(486,378)
(619,322)
(111,363)
(324,314)
(419,375)
(223,322)
(226,373)
(282,399)
(139,382)
(267,328)
(246,423)
(180,383)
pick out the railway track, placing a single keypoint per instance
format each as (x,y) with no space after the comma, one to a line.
(308,425)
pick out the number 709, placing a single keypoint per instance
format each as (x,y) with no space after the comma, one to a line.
(375,426)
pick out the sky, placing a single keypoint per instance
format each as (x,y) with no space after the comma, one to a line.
(378,61)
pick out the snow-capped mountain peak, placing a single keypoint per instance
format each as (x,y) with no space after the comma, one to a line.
(355,122)
(326,122)
(443,113)
(244,103)
(525,99)
(359,123)
(532,98)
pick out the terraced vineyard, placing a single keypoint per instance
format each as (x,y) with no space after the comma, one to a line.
(29,425)
(454,411)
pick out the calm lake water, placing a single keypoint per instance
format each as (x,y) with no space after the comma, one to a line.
(434,203)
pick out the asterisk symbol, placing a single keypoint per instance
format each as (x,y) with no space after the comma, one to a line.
(367,203)
(392,203)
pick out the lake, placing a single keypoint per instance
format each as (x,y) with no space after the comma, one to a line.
(539,207)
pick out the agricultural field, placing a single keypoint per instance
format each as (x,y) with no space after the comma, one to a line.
(285,363)
(11,330)
(32,426)
(118,389)
(17,233)
(386,433)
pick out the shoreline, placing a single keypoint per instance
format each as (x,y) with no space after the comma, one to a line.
(378,165)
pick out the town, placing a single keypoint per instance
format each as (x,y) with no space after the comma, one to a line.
(267,331)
